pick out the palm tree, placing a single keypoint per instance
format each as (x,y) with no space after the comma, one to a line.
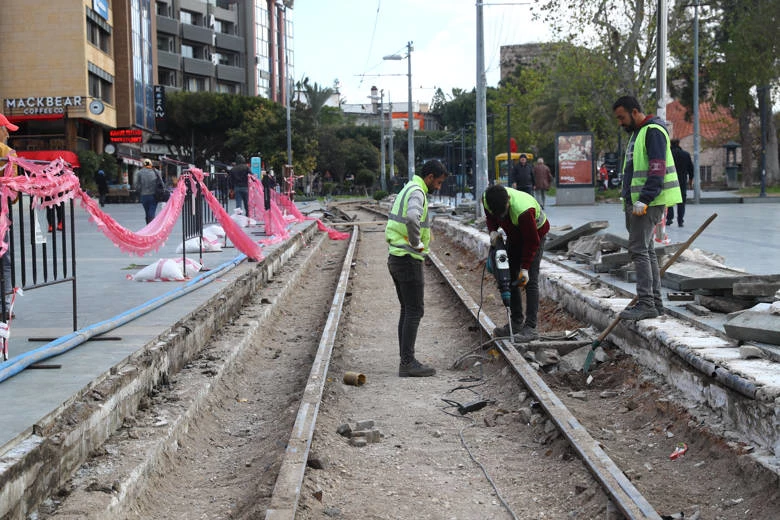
(316,97)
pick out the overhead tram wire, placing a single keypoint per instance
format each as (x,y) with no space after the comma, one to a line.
(371,43)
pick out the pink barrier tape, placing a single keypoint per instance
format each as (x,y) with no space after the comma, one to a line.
(233,231)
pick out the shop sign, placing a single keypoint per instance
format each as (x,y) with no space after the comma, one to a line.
(33,105)
(101,8)
(126,135)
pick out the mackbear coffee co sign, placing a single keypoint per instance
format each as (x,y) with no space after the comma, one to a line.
(43,105)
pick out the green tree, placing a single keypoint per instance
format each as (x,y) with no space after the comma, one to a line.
(198,124)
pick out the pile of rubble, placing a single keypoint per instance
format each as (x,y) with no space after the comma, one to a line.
(699,278)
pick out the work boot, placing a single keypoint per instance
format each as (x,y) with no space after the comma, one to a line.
(525,335)
(638,312)
(503,332)
(415,369)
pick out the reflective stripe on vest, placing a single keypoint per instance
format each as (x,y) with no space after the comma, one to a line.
(396,233)
(670,191)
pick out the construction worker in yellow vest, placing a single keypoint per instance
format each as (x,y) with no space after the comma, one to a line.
(408,234)
(650,185)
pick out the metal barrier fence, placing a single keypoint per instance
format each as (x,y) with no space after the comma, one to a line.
(196,212)
(41,254)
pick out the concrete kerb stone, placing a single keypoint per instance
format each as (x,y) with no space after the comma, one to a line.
(667,345)
(61,441)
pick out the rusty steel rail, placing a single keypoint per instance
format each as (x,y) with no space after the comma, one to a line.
(622,493)
(287,490)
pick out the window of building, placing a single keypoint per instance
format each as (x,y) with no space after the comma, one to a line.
(228,88)
(98,36)
(195,83)
(190,17)
(228,58)
(187,51)
(224,27)
(99,88)
(164,9)
(167,77)
(166,43)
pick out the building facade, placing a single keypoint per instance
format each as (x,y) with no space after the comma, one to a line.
(91,67)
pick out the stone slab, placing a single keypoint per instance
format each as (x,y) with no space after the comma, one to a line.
(754,326)
(560,242)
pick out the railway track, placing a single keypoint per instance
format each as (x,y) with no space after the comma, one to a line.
(250,429)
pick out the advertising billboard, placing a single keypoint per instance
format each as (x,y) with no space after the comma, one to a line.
(574,158)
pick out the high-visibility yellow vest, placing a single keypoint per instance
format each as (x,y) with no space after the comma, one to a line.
(396,234)
(519,203)
(670,193)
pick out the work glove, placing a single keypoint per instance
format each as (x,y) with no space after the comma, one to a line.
(639,208)
(419,247)
(490,264)
(494,236)
(522,278)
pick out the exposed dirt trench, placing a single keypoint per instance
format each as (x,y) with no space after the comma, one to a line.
(226,464)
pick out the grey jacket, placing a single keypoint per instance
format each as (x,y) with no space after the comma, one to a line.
(146,181)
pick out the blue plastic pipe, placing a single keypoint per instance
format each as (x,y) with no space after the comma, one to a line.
(63,344)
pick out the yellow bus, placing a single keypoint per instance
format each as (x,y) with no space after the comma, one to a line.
(502,172)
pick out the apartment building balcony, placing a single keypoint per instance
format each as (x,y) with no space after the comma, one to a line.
(168,60)
(230,73)
(199,67)
(229,42)
(167,25)
(197,34)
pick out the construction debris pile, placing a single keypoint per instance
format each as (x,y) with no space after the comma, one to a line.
(698,278)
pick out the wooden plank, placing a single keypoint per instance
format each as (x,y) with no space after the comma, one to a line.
(560,242)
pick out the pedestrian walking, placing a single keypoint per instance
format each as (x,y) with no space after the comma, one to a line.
(521,217)
(146,181)
(239,183)
(684,166)
(408,235)
(543,178)
(269,184)
(650,185)
(102,186)
(523,175)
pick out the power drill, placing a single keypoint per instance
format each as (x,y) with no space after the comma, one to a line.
(498,260)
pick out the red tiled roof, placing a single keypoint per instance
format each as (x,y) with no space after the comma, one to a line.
(716,124)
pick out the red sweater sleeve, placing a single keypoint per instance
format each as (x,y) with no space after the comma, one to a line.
(524,239)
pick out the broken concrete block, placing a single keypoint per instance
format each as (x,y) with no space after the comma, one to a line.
(750,352)
(358,442)
(698,310)
(344,430)
(560,242)
(754,326)
(364,425)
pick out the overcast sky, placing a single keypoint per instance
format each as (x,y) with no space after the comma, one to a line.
(347,39)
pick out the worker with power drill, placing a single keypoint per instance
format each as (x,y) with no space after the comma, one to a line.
(526,226)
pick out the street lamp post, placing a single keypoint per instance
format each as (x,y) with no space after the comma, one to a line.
(409,49)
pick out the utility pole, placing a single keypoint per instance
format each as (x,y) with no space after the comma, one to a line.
(660,87)
(480,163)
(382,172)
(508,146)
(696,130)
(410,136)
(391,147)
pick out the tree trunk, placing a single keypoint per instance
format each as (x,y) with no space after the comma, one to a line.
(747,147)
(772,161)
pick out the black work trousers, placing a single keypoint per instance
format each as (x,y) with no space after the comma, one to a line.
(680,209)
(407,274)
